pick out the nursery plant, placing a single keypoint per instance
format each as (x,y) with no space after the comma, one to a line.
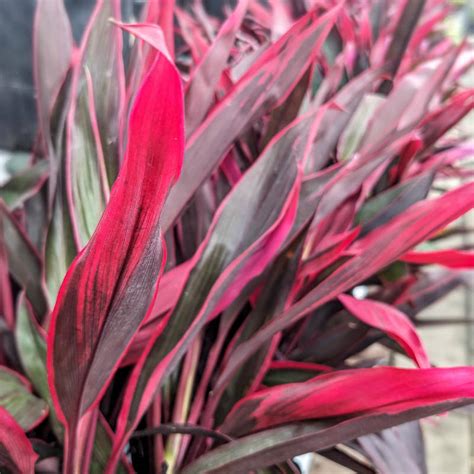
(221,220)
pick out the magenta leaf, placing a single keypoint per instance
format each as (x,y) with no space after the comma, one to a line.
(16,454)
(391,321)
(392,391)
(110,285)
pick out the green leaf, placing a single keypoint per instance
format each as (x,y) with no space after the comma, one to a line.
(23,185)
(394,271)
(31,347)
(60,245)
(352,136)
(12,163)
(17,399)
(93,125)
(386,205)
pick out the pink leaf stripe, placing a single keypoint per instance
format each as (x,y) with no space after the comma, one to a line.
(391,321)
(16,454)
(110,285)
(446,258)
(392,391)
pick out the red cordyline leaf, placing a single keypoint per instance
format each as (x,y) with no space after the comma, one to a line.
(206,75)
(375,251)
(110,285)
(161,13)
(326,257)
(265,85)
(16,454)
(191,34)
(442,159)
(437,123)
(174,281)
(410,98)
(248,229)
(391,321)
(391,390)
(446,258)
(425,28)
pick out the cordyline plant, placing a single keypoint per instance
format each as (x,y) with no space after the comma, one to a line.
(178,259)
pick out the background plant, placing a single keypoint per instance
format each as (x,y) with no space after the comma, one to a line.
(197,312)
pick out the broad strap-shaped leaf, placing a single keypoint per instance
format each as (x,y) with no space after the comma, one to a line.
(50,62)
(437,123)
(398,448)
(410,14)
(271,301)
(31,345)
(16,454)
(286,112)
(110,285)
(93,125)
(325,257)
(288,371)
(61,247)
(102,57)
(17,399)
(162,14)
(172,283)
(388,204)
(103,444)
(23,261)
(266,84)
(408,103)
(447,258)
(278,444)
(392,391)
(24,185)
(391,321)
(192,35)
(248,229)
(442,159)
(337,118)
(206,75)
(375,251)
(357,175)
(351,138)
(149,33)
